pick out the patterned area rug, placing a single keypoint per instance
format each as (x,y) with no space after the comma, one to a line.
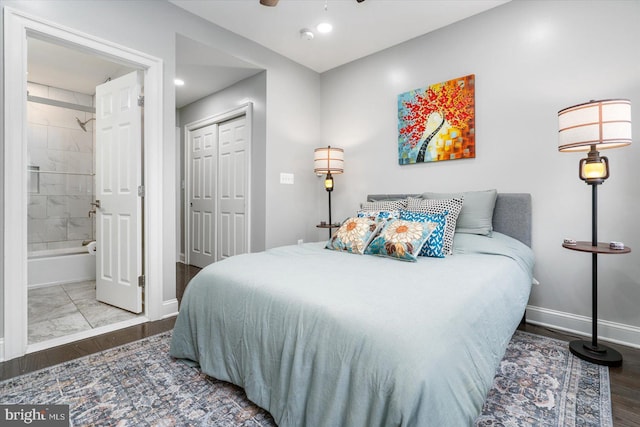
(537,384)
(540,383)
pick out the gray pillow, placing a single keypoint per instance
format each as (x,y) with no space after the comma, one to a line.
(476,216)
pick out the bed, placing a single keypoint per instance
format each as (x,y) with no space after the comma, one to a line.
(323,338)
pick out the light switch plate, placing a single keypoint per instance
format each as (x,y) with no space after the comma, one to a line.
(286,178)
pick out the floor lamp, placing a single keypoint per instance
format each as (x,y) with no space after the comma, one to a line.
(589,127)
(330,161)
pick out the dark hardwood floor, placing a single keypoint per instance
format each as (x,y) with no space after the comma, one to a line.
(625,380)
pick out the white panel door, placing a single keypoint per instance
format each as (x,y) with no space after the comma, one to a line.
(118,175)
(232,188)
(202,160)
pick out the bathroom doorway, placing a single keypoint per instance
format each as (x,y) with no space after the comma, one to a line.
(69,176)
(159,280)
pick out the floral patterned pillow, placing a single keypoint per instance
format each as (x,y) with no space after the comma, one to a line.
(379,215)
(354,235)
(401,239)
(434,247)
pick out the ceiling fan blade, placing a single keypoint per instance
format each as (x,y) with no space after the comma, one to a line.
(269,3)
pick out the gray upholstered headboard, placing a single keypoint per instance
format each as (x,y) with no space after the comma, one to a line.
(511,216)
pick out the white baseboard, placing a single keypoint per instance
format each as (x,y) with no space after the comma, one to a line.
(181,258)
(1,349)
(169,308)
(618,333)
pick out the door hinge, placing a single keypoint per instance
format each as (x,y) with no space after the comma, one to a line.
(141,101)
(141,281)
(140,190)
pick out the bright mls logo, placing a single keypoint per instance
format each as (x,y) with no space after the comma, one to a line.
(34,415)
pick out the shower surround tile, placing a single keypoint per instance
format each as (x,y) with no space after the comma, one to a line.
(79,229)
(80,185)
(48,160)
(64,154)
(57,207)
(65,139)
(52,184)
(78,162)
(79,206)
(46,230)
(37,207)
(36,136)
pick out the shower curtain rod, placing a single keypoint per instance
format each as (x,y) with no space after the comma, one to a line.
(62,104)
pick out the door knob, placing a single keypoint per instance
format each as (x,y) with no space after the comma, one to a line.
(96,203)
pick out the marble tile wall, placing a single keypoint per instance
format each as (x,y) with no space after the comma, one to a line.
(62,186)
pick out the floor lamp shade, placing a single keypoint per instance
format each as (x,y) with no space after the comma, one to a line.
(605,124)
(328,160)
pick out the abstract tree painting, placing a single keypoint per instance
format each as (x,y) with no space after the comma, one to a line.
(437,122)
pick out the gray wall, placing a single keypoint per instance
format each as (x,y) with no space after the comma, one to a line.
(252,89)
(531,59)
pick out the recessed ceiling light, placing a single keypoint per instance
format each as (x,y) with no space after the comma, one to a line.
(178,82)
(324,27)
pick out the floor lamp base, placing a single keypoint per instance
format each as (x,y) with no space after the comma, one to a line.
(600,355)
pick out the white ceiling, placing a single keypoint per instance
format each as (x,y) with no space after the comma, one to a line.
(206,70)
(359,29)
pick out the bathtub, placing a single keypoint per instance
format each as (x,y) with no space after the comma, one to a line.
(57,266)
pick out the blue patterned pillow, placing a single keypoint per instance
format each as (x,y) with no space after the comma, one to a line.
(354,235)
(401,239)
(450,206)
(434,247)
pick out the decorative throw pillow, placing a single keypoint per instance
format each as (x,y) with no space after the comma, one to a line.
(354,235)
(401,239)
(440,206)
(476,216)
(384,205)
(379,215)
(434,247)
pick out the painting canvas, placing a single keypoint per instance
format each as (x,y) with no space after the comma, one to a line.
(437,123)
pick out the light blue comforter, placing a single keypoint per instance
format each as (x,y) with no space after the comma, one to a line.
(323,338)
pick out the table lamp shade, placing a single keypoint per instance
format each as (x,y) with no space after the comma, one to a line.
(604,124)
(328,160)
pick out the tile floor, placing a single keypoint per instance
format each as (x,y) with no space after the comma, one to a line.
(60,310)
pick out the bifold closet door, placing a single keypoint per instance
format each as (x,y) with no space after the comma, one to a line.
(203,167)
(233,187)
